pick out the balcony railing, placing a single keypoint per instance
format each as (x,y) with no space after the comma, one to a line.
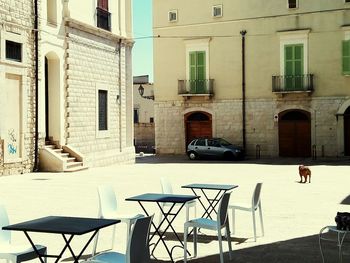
(103,19)
(299,83)
(196,87)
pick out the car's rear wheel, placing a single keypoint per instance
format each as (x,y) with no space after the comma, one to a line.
(192,155)
(228,156)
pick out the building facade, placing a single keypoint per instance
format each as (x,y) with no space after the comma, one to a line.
(272,76)
(144,138)
(17,91)
(84,84)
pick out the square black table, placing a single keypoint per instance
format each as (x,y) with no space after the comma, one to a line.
(172,212)
(212,203)
(68,227)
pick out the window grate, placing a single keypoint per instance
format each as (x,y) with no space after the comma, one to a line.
(292,3)
(217,11)
(102,110)
(103,19)
(13,51)
(172,16)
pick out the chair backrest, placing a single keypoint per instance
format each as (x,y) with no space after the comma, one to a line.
(222,211)
(138,243)
(166,186)
(256,196)
(107,201)
(5,235)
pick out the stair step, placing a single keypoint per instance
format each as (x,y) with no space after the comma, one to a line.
(51,146)
(70,159)
(57,150)
(75,169)
(74,164)
(64,155)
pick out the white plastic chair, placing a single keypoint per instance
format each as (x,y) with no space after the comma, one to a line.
(255,204)
(137,248)
(108,210)
(205,223)
(167,189)
(15,253)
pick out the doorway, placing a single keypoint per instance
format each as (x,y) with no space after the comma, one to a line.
(198,124)
(294,132)
(347,132)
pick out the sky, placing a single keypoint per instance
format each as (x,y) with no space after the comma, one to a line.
(142,57)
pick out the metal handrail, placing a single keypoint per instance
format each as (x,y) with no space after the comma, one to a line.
(198,86)
(292,83)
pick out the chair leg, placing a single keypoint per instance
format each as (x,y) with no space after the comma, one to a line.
(195,242)
(220,246)
(228,236)
(254,224)
(187,213)
(95,244)
(113,237)
(233,221)
(261,220)
(185,243)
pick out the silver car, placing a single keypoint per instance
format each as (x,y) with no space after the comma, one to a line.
(214,148)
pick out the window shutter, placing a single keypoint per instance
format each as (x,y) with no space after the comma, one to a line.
(346,57)
(201,65)
(102,110)
(103,4)
(193,63)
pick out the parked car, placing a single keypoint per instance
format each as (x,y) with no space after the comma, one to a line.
(214,148)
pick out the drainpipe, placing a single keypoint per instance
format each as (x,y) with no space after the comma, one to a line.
(120,91)
(243,33)
(36,42)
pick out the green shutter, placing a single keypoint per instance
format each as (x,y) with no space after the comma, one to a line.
(294,66)
(197,72)
(346,57)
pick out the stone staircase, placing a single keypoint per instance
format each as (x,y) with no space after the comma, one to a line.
(54,158)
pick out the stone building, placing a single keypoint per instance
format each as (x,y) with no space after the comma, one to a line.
(84,83)
(144,138)
(272,76)
(17,93)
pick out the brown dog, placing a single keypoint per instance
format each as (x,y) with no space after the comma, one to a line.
(304,171)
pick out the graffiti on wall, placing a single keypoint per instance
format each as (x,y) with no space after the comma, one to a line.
(12,143)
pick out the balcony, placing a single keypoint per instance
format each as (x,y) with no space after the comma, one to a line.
(103,18)
(293,84)
(191,88)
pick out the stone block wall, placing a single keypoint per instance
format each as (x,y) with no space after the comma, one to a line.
(17,21)
(93,63)
(261,126)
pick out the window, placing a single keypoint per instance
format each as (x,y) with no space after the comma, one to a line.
(347,1)
(200,142)
(102,110)
(103,17)
(292,3)
(346,57)
(217,11)
(151,120)
(293,66)
(172,16)
(136,115)
(13,51)
(197,72)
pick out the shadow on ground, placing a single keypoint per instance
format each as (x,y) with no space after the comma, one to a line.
(182,158)
(298,250)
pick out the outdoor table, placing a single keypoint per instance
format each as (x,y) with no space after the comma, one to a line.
(68,227)
(211,202)
(172,212)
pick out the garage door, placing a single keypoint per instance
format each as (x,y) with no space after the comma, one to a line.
(294,134)
(198,124)
(347,132)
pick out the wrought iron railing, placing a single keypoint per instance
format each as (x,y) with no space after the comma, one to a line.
(198,86)
(293,83)
(103,19)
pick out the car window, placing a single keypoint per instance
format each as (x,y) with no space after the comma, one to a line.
(200,142)
(192,143)
(224,143)
(213,143)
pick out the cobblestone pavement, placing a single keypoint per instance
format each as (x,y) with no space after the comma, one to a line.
(293,212)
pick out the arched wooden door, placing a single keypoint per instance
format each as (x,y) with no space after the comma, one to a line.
(198,124)
(347,132)
(294,132)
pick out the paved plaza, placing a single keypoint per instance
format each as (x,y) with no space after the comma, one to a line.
(293,212)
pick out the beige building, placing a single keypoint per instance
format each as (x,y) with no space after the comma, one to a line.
(84,84)
(272,76)
(144,138)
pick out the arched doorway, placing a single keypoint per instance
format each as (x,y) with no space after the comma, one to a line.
(198,124)
(52,97)
(294,132)
(347,132)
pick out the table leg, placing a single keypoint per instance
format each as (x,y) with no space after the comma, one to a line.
(34,247)
(212,203)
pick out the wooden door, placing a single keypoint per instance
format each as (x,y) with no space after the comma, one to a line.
(294,136)
(347,133)
(198,125)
